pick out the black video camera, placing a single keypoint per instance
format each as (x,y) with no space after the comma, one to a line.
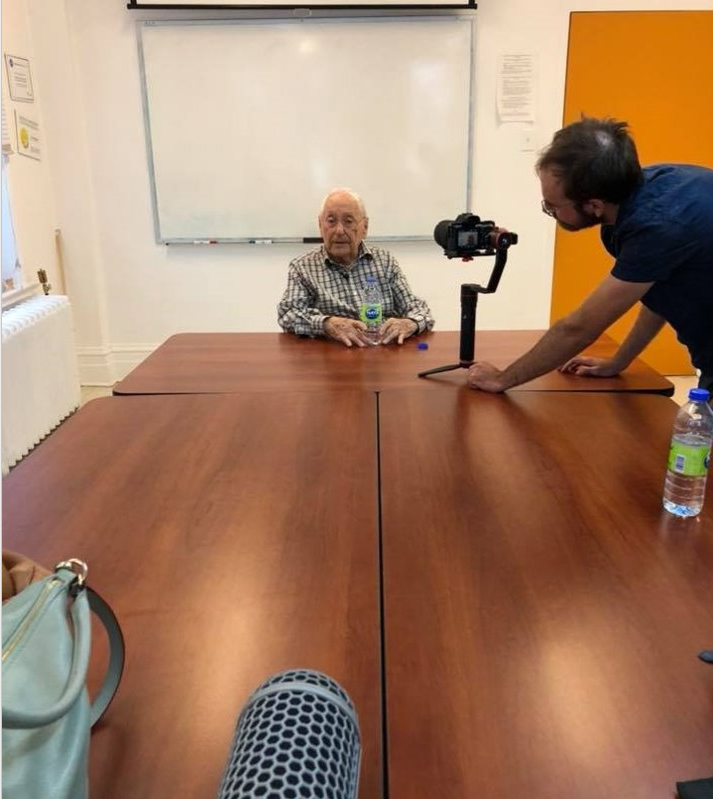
(468,236)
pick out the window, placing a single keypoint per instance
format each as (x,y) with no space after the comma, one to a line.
(11,274)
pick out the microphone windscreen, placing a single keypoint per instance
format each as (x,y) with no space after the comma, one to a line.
(297,736)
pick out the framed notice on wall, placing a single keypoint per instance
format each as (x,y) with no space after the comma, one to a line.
(28,136)
(19,78)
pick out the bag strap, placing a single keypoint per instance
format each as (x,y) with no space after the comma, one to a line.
(84,598)
(115,667)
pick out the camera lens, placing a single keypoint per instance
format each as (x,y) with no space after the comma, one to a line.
(440,232)
(502,240)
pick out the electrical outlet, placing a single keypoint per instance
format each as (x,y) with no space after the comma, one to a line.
(527,141)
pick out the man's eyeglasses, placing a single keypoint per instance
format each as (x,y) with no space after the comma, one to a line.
(551,210)
(348,223)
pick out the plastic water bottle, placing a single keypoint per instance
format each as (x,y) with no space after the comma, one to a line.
(372,309)
(689,456)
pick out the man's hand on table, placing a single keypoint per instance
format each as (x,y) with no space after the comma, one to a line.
(398,330)
(349,332)
(586,366)
(486,377)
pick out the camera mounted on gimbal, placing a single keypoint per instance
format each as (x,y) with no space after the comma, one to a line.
(466,237)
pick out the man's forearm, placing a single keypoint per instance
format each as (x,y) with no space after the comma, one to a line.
(561,342)
(566,338)
(647,325)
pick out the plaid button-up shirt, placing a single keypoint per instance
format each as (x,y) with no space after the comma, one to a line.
(317,287)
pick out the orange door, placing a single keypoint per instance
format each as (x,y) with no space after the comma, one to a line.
(653,69)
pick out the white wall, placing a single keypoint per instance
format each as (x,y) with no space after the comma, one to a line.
(129,293)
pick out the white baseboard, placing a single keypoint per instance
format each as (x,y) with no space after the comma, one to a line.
(103,366)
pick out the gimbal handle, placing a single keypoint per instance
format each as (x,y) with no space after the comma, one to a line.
(501,257)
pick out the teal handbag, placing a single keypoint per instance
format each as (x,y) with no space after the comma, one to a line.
(46,715)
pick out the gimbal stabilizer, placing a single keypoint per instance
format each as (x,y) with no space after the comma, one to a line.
(457,245)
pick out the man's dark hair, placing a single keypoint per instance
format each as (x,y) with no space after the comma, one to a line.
(594,159)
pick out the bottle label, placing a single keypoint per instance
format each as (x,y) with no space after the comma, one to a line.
(690,461)
(370,313)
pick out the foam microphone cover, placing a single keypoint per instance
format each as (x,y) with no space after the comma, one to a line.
(297,737)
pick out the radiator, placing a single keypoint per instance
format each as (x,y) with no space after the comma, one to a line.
(40,376)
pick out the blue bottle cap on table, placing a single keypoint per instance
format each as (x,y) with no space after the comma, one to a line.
(422,345)
(699,394)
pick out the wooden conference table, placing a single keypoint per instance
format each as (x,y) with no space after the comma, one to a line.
(211,363)
(232,543)
(542,613)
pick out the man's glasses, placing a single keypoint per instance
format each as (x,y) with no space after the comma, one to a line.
(551,210)
(348,222)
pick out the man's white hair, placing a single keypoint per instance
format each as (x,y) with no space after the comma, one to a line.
(351,193)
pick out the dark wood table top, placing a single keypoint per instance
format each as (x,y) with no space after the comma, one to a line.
(210,363)
(543,614)
(234,536)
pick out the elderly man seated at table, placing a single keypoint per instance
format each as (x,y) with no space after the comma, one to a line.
(325,286)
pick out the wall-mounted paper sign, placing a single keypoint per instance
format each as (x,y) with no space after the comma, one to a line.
(28,136)
(19,78)
(516,87)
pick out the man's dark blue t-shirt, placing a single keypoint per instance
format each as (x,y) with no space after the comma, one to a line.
(664,233)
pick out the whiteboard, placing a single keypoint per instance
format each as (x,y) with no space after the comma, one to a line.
(250,124)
